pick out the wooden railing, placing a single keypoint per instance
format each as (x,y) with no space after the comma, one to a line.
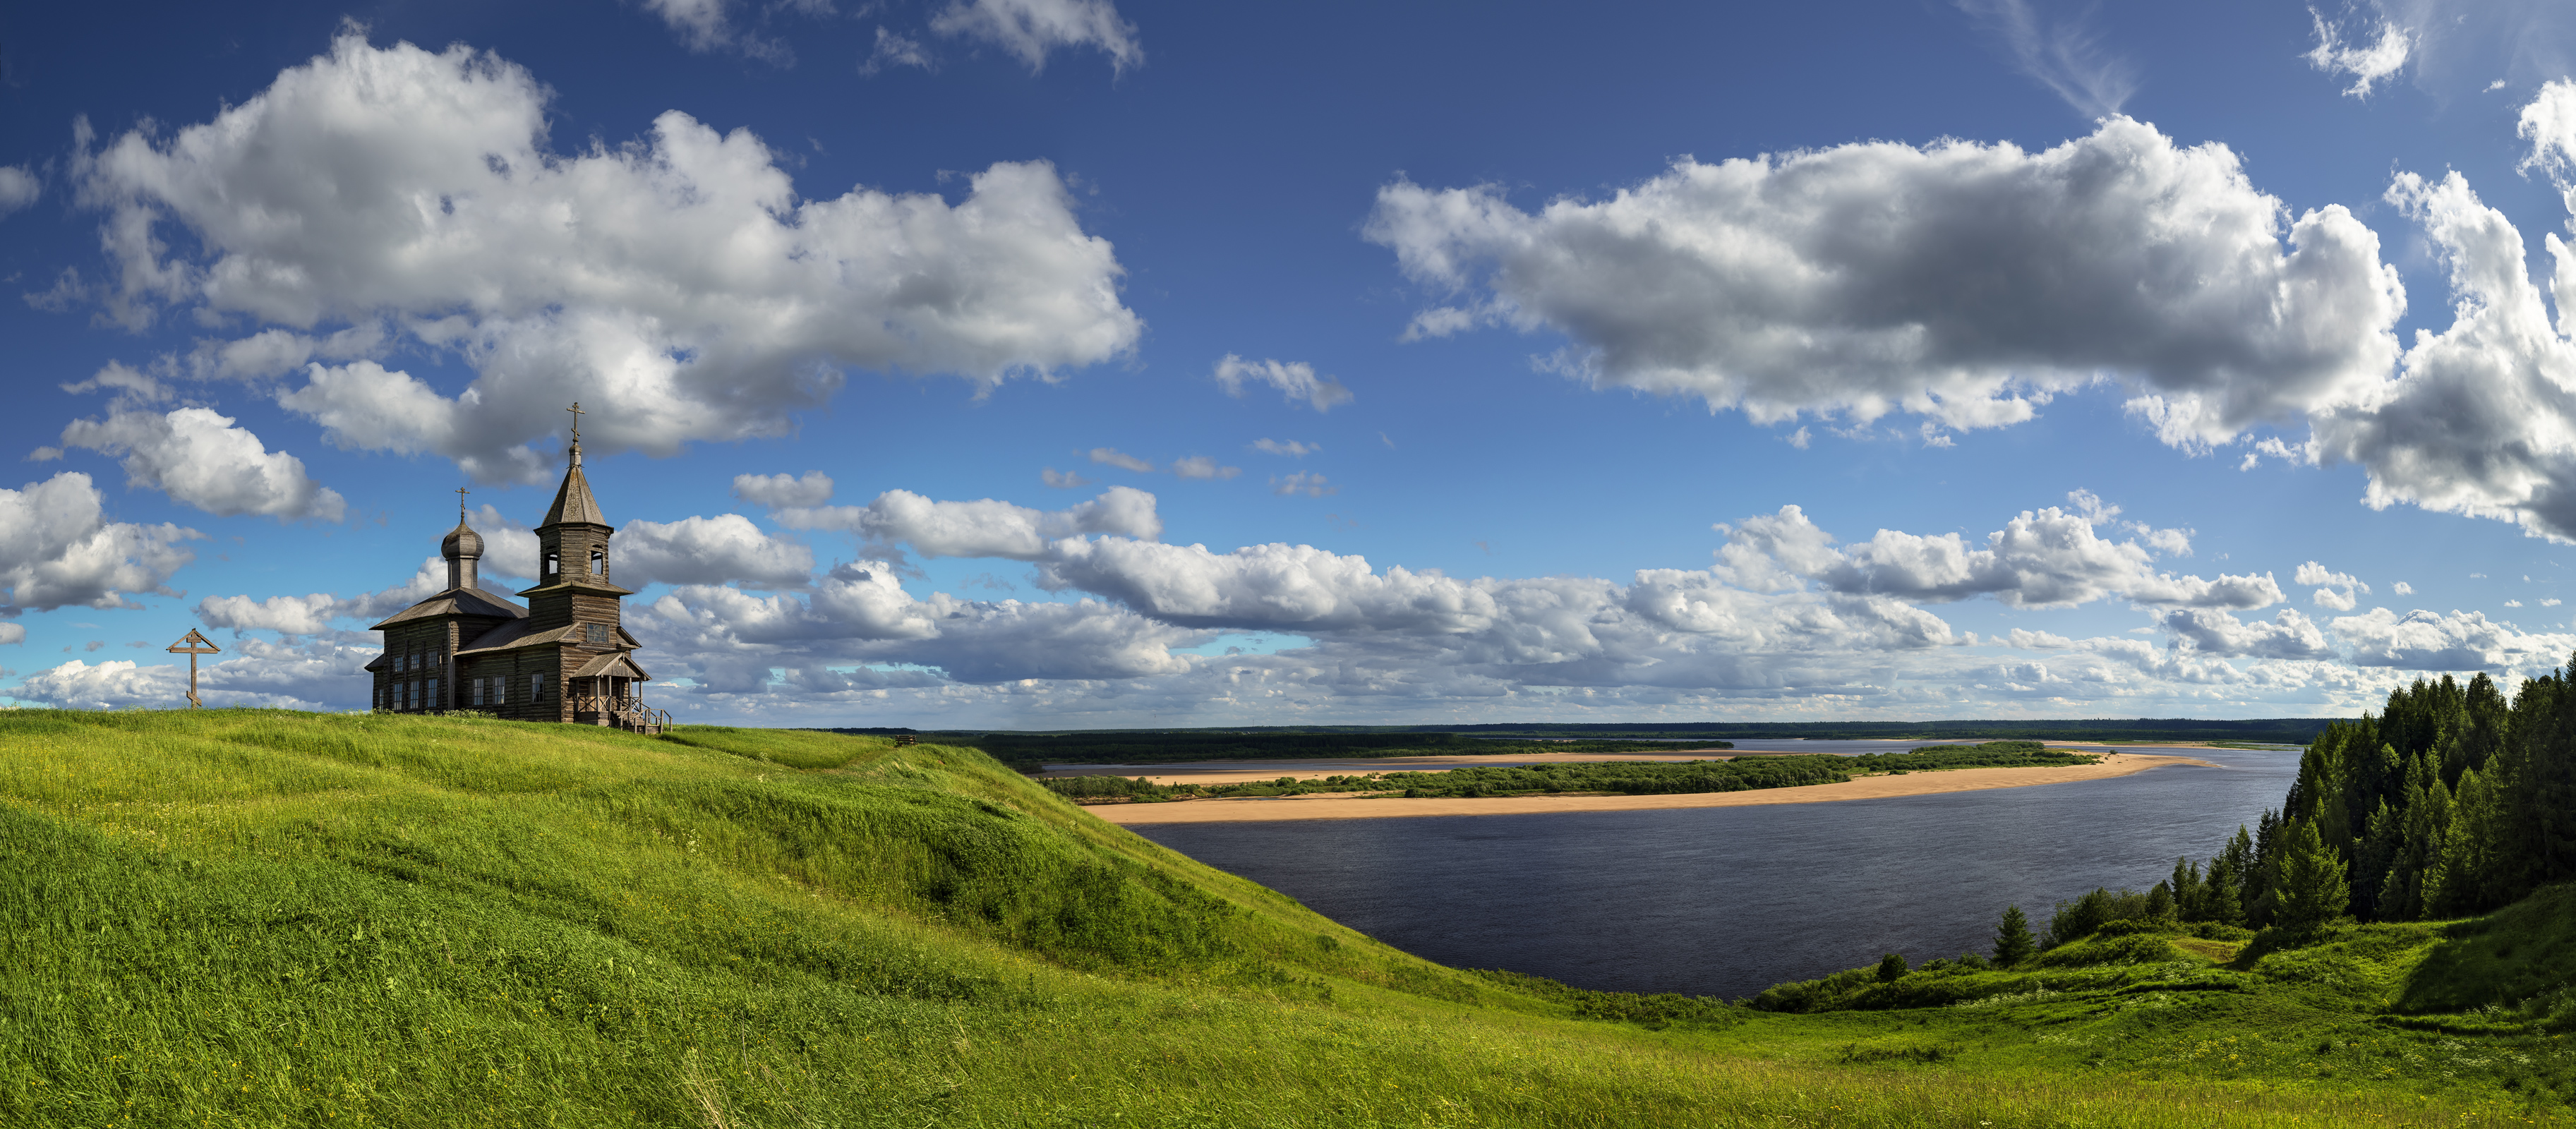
(623,714)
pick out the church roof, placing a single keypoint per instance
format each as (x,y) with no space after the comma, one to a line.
(573,501)
(456,601)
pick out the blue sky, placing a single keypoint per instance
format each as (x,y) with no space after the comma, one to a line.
(1075,362)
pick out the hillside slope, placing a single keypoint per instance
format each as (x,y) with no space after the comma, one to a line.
(265,918)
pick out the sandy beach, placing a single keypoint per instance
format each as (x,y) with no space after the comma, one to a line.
(1866,788)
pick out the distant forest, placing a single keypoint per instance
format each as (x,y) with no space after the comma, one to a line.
(1166,746)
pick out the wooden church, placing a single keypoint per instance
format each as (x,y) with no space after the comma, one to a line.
(564,657)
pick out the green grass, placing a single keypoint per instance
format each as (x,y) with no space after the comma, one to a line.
(258,918)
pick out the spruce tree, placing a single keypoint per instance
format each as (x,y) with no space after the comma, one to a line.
(2013,942)
(2160,902)
(2187,896)
(2313,888)
(1891,968)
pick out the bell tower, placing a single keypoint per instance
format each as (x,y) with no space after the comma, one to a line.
(573,558)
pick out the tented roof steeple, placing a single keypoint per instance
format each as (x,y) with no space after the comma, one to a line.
(573,501)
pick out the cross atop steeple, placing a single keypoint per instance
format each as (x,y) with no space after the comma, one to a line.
(576,411)
(461,492)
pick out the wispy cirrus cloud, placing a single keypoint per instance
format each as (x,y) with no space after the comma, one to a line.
(2063,54)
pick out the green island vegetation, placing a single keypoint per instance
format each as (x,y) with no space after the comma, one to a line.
(1614,778)
(257,917)
(1028,751)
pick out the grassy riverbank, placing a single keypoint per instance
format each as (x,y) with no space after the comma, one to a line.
(260,918)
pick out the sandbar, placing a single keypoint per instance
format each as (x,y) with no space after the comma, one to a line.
(1864,788)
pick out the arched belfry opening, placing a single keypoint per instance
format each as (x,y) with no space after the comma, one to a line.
(565,656)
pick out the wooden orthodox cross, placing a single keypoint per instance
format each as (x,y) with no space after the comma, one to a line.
(576,411)
(461,492)
(193,645)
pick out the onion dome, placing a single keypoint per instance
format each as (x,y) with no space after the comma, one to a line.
(461,541)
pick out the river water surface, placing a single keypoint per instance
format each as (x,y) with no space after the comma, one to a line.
(1726,901)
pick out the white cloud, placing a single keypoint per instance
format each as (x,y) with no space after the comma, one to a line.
(1110,456)
(57,549)
(777,491)
(1307,483)
(1798,439)
(2063,55)
(858,612)
(1030,29)
(2550,602)
(2460,641)
(678,285)
(2209,631)
(1292,448)
(2477,423)
(1294,379)
(2513,603)
(200,458)
(1062,479)
(2040,559)
(894,50)
(289,615)
(1828,281)
(2402,588)
(317,674)
(1203,467)
(706,25)
(2366,63)
(18,188)
(706,550)
(986,528)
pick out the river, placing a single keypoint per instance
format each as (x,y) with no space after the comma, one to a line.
(1726,901)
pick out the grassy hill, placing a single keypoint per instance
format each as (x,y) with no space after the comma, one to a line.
(256,918)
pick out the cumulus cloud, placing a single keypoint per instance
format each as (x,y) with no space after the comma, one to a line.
(1062,479)
(986,528)
(2049,558)
(1296,380)
(18,188)
(677,285)
(57,549)
(1830,281)
(2064,55)
(310,675)
(2210,631)
(1291,448)
(779,491)
(200,458)
(2402,588)
(2480,422)
(2460,641)
(860,613)
(707,550)
(1030,29)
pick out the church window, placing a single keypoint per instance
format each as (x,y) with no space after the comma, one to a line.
(500,691)
(536,687)
(433,695)
(599,562)
(478,691)
(554,564)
